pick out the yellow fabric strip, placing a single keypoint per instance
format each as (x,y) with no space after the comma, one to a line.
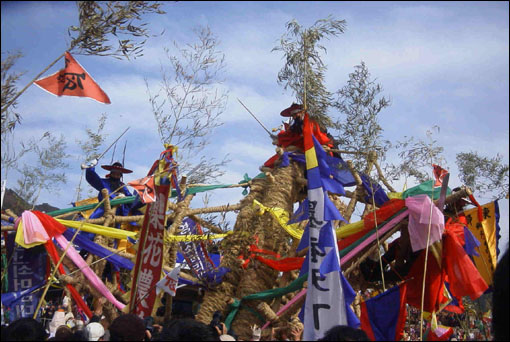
(311,159)
(349,229)
(485,232)
(282,217)
(97,229)
(189,238)
(397,195)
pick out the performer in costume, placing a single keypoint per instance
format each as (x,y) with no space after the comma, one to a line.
(112,182)
(292,135)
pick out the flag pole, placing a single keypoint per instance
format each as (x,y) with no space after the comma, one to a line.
(377,236)
(69,244)
(425,266)
(305,107)
(29,84)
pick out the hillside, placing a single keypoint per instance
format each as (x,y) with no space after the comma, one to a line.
(17,204)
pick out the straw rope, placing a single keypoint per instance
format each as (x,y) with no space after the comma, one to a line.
(281,193)
(216,299)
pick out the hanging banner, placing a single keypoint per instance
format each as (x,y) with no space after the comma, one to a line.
(195,253)
(149,259)
(486,233)
(325,304)
(27,269)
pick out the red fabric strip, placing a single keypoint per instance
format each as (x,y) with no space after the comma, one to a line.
(52,252)
(283,265)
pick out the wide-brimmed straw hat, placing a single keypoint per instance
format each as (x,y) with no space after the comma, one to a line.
(117,166)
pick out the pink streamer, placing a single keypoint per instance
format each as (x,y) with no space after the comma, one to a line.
(33,229)
(286,306)
(419,217)
(91,276)
(369,240)
(346,258)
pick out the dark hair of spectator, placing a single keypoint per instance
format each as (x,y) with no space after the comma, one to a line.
(500,300)
(63,333)
(80,335)
(344,333)
(127,327)
(187,329)
(25,329)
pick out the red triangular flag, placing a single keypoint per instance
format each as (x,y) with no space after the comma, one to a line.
(73,80)
(145,189)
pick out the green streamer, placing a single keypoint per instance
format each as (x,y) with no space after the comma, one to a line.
(267,294)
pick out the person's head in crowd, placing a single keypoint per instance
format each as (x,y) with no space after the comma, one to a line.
(128,327)
(80,335)
(79,325)
(25,329)
(188,329)
(95,331)
(500,300)
(344,333)
(64,333)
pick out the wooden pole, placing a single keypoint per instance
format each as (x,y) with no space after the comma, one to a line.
(30,83)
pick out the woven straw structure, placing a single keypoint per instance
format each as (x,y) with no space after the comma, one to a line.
(281,193)
(216,299)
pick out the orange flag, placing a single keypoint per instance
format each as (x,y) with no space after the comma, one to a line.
(439,174)
(73,80)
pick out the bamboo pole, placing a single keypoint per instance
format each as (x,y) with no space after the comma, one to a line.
(425,266)
(30,83)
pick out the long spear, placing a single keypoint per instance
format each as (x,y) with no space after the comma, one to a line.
(83,166)
(260,123)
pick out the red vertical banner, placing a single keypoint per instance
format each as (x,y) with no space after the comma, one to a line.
(149,259)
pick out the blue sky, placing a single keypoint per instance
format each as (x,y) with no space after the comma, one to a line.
(440,63)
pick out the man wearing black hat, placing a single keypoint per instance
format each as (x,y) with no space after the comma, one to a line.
(112,182)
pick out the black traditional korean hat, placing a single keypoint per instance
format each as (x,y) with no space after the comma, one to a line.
(117,166)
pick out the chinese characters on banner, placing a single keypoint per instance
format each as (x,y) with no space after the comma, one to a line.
(486,233)
(194,253)
(149,259)
(325,301)
(27,268)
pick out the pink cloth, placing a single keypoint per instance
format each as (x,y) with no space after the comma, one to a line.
(346,258)
(371,238)
(91,276)
(286,306)
(33,229)
(419,217)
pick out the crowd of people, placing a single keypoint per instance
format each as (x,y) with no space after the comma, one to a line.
(130,327)
(64,322)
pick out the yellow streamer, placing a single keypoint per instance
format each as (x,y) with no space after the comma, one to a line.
(282,216)
(190,238)
(97,229)
(349,229)
(392,195)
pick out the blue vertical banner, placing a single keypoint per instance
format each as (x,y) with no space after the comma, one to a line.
(194,252)
(26,269)
(328,294)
